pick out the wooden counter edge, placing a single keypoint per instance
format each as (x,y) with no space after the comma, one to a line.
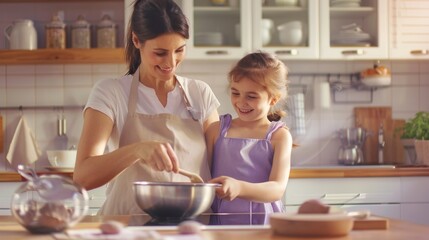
(295,173)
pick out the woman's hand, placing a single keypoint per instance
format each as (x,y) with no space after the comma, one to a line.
(230,188)
(159,155)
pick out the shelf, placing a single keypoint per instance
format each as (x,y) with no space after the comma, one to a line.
(351,12)
(216,11)
(62,56)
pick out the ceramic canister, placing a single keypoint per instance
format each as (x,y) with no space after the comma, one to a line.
(22,35)
(80,33)
(56,33)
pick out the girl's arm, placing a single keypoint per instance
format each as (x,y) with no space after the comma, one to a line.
(271,190)
(94,168)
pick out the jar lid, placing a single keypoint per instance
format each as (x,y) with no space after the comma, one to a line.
(106,21)
(56,22)
(80,22)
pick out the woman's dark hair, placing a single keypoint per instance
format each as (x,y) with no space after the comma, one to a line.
(150,19)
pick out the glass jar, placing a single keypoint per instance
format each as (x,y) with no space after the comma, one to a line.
(80,33)
(56,33)
(48,204)
(106,33)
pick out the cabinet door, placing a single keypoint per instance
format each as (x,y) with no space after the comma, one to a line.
(343,191)
(294,33)
(409,29)
(367,40)
(218,31)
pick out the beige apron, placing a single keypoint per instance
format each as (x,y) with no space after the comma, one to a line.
(184,135)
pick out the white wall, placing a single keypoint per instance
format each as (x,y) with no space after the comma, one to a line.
(45,85)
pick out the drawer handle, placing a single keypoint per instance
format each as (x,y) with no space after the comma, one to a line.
(353,52)
(217,52)
(420,52)
(292,52)
(343,196)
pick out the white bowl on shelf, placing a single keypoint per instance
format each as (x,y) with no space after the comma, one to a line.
(209,39)
(377,80)
(286,2)
(62,158)
(291,33)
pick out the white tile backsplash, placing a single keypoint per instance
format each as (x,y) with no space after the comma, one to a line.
(71,84)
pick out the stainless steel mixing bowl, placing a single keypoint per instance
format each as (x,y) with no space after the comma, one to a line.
(174,199)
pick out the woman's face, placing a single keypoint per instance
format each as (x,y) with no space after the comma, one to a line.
(250,100)
(161,56)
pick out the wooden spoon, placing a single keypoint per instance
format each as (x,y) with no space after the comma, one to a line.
(195,178)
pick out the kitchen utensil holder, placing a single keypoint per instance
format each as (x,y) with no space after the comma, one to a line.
(355,83)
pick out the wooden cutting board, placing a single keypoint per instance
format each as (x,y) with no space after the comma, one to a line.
(371,118)
(371,223)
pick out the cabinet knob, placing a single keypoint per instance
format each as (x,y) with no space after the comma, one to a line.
(420,52)
(292,52)
(217,52)
(353,52)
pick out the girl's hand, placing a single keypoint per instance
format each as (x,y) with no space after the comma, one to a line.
(230,188)
(159,155)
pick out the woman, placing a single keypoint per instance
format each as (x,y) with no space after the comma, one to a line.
(148,118)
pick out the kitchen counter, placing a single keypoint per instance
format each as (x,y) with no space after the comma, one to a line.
(300,172)
(10,229)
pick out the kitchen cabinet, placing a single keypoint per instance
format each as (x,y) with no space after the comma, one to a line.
(409,29)
(405,198)
(217,31)
(415,199)
(370,17)
(379,195)
(306,14)
(92,9)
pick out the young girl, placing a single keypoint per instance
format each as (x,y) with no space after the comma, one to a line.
(251,154)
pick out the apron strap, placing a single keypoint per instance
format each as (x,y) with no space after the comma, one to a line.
(132,99)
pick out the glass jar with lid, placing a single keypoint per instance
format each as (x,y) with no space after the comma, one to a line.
(56,33)
(80,33)
(106,33)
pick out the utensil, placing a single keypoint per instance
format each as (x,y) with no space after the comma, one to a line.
(49,188)
(195,178)
(178,200)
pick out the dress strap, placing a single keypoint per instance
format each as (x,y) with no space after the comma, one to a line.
(225,122)
(273,127)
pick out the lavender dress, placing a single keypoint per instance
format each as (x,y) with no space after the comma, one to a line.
(244,159)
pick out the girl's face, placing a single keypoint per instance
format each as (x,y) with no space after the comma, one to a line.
(250,100)
(161,56)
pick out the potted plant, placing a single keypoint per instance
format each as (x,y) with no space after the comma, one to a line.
(415,133)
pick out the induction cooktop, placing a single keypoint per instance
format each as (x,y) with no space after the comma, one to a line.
(216,219)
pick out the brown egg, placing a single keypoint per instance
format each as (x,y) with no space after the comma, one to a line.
(313,206)
(189,227)
(111,227)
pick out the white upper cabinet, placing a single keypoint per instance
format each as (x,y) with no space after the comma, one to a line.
(218,28)
(288,29)
(350,31)
(409,29)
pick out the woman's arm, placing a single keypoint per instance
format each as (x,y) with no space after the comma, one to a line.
(94,168)
(271,190)
(211,136)
(213,117)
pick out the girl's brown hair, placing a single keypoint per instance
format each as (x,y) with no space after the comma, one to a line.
(268,71)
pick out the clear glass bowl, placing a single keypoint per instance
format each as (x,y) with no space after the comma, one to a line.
(41,208)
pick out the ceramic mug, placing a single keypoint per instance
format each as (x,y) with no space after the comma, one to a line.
(21,35)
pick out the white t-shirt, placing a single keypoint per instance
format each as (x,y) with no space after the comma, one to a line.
(110,97)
